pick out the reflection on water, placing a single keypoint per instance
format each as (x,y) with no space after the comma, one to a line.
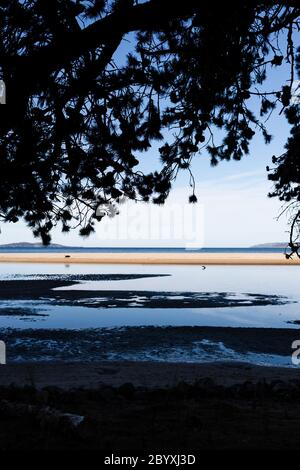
(45,316)
(238,283)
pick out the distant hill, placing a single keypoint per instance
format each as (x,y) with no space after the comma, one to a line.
(271,245)
(30,245)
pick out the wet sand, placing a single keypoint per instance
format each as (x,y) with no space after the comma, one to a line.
(151,258)
(151,375)
(148,344)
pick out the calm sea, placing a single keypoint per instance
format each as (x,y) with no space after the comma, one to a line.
(74,249)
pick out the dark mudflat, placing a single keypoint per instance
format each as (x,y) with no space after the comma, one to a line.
(44,289)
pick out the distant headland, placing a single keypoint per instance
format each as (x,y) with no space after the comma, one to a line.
(31,245)
(271,245)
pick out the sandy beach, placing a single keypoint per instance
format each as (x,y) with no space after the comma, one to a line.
(151,258)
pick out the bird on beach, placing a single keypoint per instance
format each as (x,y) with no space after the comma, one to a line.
(67,256)
(203,267)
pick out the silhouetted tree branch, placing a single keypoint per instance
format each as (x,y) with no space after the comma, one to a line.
(79,113)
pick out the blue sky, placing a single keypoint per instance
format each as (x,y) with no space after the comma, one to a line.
(235,209)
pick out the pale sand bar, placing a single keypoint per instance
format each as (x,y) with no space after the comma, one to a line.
(151,258)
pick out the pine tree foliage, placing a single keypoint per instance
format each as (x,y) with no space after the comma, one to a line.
(79,114)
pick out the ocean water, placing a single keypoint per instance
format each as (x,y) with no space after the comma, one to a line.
(74,249)
(240,283)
